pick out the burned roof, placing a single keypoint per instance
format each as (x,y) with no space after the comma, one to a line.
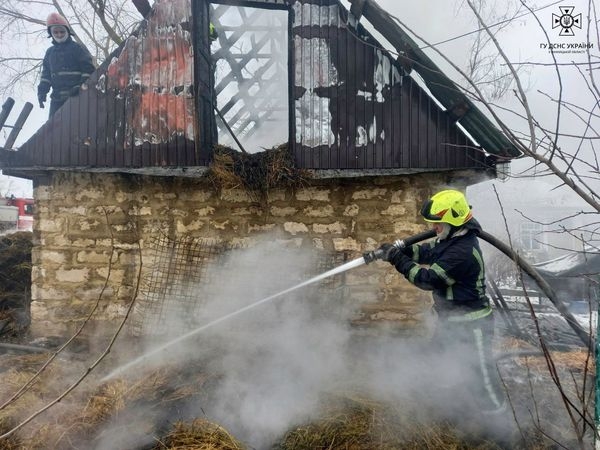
(572,264)
(351,104)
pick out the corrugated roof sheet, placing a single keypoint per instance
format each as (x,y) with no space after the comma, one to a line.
(353,106)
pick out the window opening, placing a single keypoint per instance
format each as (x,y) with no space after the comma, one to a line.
(531,235)
(250,52)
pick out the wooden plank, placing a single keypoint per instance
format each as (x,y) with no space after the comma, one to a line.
(404,120)
(203,73)
(76,124)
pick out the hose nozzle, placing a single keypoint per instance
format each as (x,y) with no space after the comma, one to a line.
(400,244)
(373,255)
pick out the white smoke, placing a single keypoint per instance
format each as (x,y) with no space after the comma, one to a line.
(276,362)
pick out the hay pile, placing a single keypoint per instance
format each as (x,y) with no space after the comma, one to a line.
(162,409)
(15,282)
(150,406)
(351,421)
(199,434)
(160,399)
(258,172)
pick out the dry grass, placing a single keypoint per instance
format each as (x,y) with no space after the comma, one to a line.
(22,369)
(78,418)
(347,420)
(15,281)
(346,423)
(200,434)
(258,172)
(575,360)
(223,173)
(12,442)
(352,422)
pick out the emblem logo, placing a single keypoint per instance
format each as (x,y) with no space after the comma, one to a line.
(566,21)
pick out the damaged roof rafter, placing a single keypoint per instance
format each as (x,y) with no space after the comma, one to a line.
(442,88)
(264,4)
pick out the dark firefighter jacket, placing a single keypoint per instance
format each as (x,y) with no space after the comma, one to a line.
(455,272)
(66,66)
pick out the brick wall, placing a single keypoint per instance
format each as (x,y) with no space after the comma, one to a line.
(90,226)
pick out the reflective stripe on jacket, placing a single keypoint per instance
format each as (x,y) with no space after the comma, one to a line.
(454,271)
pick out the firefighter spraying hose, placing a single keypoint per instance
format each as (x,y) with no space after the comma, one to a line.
(452,267)
(453,223)
(523,264)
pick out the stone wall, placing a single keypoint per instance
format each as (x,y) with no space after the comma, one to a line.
(91,230)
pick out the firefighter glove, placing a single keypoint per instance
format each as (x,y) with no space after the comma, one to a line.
(388,252)
(41,100)
(385,253)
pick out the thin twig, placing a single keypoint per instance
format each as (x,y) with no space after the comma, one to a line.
(95,363)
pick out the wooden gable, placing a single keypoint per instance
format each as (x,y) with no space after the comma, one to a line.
(351,105)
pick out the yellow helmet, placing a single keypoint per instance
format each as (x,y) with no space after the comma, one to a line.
(448,206)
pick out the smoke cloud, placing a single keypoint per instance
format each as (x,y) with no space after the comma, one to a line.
(277,362)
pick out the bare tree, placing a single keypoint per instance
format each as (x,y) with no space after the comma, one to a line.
(100,25)
(562,149)
(555,130)
(483,64)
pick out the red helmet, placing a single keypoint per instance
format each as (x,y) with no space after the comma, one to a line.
(56,19)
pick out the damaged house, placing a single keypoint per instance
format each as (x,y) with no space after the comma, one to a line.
(160,164)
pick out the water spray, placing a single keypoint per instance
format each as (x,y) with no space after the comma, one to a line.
(367,258)
(344,267)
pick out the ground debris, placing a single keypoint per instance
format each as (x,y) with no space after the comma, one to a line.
(351,421)
(165,408)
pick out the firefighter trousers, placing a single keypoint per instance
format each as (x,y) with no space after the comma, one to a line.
(468,344)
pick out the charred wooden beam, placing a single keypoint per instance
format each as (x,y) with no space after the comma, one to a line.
(228,42)
(231,132)
(6,108)
(441,87)
(18,126)
(356,9)
(143,6)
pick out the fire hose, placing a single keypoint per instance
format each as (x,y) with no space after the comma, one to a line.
(400,244)
(521,263)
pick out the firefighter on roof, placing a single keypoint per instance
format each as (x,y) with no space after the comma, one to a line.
(67,65)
